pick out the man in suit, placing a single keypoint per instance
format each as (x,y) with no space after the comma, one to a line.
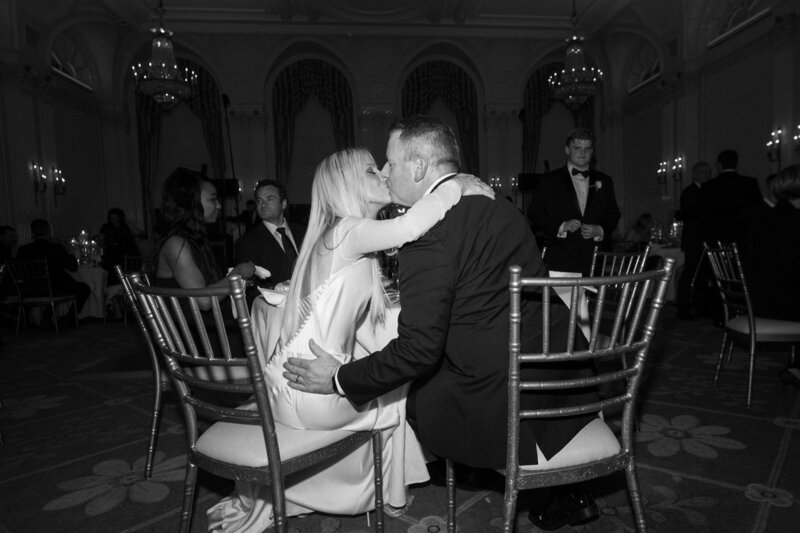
(691,214)
(575,207)
(725,198)
(59,262)
(452,339)
(274,242)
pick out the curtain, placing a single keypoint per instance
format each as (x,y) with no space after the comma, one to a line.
(205,102)
(148,122)
(442,79)
(538,100)
(293,87)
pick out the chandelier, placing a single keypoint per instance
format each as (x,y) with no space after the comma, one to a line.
(161,78)
(575,83)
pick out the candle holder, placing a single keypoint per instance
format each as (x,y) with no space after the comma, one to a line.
(661,176)
(59,183)
(495,183)
(39,177)
(774,147)
(796,141)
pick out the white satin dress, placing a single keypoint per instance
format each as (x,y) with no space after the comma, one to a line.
(335,315)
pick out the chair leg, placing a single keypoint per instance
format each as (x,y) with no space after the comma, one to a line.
(188,496)
(377,459)
(750,373)
(55,317)
(21,315)
(509,504)
(154,424)
(75,314)
(636,497)
(450,476)
(721,356)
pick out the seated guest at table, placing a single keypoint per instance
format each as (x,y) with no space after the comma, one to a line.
(118,241)
(639,234)
(59,262)
(183,256)
(452,338)
(273,242)
(336,287)
(770,249)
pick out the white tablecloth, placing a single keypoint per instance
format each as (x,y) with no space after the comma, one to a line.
(675,253)
(95,277)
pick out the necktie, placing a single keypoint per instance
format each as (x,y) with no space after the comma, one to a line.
(583,173)
(288,247)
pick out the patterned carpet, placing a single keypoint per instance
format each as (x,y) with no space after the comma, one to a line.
(77,408)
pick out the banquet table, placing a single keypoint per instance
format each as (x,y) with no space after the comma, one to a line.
(675,253)
(95,277)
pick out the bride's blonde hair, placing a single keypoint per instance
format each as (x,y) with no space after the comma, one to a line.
(338,192)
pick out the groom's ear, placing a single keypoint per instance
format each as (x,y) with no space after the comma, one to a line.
(419,168)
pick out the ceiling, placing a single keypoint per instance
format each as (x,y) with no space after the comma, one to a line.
(514,18)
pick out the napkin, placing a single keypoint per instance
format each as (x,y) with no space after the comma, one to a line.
(274,298)
(262,272)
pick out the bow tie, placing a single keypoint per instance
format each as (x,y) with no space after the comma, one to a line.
(583,173)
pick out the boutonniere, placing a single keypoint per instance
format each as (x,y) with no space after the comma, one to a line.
(596,185)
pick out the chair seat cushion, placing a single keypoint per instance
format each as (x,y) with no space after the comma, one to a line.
(767,329)
(595,441)
(243,444)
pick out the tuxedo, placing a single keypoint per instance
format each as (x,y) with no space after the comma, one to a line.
(555,201)
(452,338)
(724,199)
(260,246)
(691,214)
(59,263)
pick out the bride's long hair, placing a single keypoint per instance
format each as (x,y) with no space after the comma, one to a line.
(338,192)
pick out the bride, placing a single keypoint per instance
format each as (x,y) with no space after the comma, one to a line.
(336,297)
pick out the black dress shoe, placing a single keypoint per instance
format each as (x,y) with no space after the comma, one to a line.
(573,508)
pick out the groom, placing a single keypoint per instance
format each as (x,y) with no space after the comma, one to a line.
(452,338)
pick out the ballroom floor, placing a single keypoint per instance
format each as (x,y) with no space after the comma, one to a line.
(77,413)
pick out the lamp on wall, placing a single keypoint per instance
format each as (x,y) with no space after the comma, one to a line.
(161,78)
(796,141)
(59,183)
(774,146)
(661,176)
(496,183)
(39,178)
(575,83)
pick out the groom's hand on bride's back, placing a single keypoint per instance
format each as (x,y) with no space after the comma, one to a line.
(312,375)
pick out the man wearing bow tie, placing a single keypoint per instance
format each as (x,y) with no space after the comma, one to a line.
(575,207)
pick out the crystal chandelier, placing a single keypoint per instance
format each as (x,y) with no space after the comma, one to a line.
(161,78)
(575,83)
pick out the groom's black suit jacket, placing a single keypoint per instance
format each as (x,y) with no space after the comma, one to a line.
(453,338)
(555,200)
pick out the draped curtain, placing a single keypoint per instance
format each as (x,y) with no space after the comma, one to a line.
(293,87)
(442,79)
(538,100)
(204,102)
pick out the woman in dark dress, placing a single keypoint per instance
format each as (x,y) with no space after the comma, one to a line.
(118,241)
(183,256)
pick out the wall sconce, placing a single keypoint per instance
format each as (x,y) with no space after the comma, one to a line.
(796,141)
(661,176)
(39,177)
(59,183)
(774,147)
(514,186)
(495,183)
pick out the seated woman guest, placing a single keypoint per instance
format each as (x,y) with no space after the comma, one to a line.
(183,256)
(770,249)
(335,289)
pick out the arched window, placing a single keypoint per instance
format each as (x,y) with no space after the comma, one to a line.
(70,60)
(645,67)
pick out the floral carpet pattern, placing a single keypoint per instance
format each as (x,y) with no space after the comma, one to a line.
(77,413)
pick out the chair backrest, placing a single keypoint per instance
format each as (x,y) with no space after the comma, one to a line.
(32,277)
(629,335)
(152,349)
(176,323)
(618,263)
(726,266)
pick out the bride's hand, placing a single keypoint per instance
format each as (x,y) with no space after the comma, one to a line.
(472,185)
